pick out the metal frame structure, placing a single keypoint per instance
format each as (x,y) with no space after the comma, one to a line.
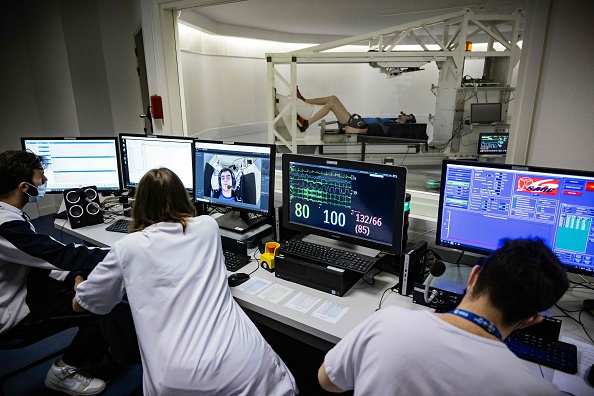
(440,39)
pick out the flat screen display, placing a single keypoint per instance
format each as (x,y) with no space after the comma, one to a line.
(492,143)
(236,175)
(482,203)
(356,202)
(141,153)
(485,113)
(74,162)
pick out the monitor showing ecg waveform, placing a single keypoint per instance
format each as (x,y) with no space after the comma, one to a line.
(346,200)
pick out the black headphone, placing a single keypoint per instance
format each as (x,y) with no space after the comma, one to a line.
(232,178)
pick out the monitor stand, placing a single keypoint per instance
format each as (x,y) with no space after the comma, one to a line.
(239,221)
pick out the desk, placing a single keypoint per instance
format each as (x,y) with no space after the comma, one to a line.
(362,299)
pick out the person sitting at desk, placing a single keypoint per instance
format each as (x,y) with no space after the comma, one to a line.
(38,274)
(194,338)
(398,351)
(227,186)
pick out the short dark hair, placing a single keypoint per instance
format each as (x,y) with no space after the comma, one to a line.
(17,166)
(161,196)
(521,278)
(413,119)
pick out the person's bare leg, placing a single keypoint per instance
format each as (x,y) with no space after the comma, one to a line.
(330,104)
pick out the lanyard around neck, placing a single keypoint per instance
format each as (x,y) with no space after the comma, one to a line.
(478,320)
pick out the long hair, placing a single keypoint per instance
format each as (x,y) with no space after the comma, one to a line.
(161,196)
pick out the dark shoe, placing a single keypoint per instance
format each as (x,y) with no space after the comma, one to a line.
(302,123)
(357,122)
(299,96)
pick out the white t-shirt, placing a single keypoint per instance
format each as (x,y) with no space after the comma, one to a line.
(401,352)
(194,338)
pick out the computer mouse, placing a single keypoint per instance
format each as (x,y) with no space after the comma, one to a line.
(237,279)
(591,375)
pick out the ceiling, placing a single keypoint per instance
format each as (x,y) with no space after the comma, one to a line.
(328,18)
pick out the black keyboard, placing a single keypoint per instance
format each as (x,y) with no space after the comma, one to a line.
(121,225)
(234,260)
(327,255)
(555,354)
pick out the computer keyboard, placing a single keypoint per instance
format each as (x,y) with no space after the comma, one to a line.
(555,354)
(234,260)
(120,225)
(327,255)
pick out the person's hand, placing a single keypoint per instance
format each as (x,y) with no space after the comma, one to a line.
(536,319)
(78,280)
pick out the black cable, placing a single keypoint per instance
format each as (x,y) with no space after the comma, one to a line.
(382,297)
(567,312)
(460,257)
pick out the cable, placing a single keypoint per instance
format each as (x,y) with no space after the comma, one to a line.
(567,312)
(420,235)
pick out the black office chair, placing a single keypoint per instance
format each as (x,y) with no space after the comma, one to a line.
(10,341)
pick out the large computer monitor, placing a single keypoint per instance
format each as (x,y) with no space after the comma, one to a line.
(141,153)
(485,113)
(74,162)
(236,175)
(481,203)
(359,203)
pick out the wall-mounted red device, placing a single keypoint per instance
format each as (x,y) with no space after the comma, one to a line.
(156,107)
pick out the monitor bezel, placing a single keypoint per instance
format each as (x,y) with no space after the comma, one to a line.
(486,104)
(269,212)
(81,138)
(124,168)
(481,134)
(522,168)
(395,247)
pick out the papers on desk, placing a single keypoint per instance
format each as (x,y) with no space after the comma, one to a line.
(577,384)
(301,302)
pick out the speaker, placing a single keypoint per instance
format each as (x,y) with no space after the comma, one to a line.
(83,207)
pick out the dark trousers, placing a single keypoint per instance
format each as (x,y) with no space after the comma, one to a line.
(50,303)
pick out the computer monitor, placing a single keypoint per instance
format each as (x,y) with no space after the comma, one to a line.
(236,175)
(492,143)
(485,113)
(481,203)
(141,153)
(359,203)
(74,162)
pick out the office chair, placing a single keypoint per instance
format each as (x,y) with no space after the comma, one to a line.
(10,341)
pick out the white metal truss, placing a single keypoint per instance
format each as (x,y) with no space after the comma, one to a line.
(440,39)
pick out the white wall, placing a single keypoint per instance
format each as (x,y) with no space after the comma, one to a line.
(68,69)
(563,132)
(224,82)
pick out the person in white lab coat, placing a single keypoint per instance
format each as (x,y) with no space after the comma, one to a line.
(193,337)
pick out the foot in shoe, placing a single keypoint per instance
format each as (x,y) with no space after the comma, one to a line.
(71,380)
(299,96)
(302,123)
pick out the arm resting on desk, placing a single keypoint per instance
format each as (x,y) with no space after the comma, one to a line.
(325,382)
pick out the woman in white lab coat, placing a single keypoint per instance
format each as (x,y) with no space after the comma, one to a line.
(193,337)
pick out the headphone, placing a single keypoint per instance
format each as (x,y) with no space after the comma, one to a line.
(233,187)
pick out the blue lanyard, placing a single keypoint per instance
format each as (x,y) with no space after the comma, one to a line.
(478,320)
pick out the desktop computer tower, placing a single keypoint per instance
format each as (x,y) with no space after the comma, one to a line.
(317,276)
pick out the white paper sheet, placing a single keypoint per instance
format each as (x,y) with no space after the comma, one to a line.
(253,285)
(330,312)
(302,302)
(577,384)
(275,293)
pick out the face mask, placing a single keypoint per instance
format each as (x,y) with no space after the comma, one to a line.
(40,192)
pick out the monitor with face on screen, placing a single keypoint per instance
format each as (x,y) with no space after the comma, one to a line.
(485,113)
(141,153)
(74,162)
(355,202)
(482,203)
(235,175)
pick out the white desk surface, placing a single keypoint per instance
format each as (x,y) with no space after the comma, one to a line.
(362,299)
